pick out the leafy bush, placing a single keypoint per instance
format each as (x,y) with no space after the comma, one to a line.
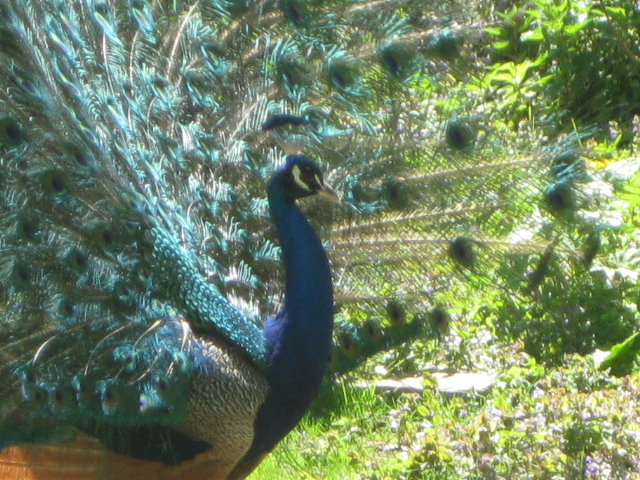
(582,56)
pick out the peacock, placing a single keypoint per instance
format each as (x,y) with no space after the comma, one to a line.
(152,154)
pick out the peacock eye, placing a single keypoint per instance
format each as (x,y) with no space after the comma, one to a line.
(310,178)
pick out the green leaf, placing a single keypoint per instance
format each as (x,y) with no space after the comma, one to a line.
(533,36)
(618,13)
(502,45)
(622,356)
(497,31)
(546,79)
(573,29)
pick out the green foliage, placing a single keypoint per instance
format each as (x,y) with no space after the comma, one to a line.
(583,56)
(556,320)
(516,86)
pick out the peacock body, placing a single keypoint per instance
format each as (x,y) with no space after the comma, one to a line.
(138,257)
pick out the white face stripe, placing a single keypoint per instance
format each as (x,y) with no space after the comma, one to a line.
(296,177)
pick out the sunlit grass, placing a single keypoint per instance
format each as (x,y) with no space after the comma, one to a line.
(572,422)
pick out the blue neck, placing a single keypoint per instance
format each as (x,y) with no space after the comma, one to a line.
(298,338)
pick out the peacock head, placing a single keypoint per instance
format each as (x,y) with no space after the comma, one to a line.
(301,177)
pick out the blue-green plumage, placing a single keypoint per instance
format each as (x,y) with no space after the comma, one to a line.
(137,255)
(208,309)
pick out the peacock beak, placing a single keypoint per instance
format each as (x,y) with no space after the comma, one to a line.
(328,192)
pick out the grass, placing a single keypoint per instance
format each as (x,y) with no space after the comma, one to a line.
(574,422)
